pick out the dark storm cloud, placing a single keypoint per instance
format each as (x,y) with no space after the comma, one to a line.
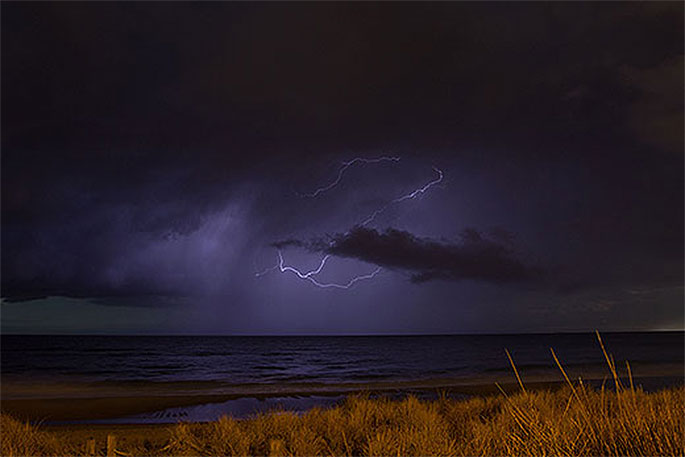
(656,115)
(291,243)
(144,78)
(477,256)
(128,128)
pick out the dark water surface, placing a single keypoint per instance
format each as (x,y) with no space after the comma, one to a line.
(312,359)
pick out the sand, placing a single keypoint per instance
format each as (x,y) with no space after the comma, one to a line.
(115,404)
(106,404)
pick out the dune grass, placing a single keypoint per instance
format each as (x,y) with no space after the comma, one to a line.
(539,423)
(574,420)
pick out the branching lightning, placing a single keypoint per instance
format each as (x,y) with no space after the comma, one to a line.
(345,166)
(309,276)
(409,196)
(268,270)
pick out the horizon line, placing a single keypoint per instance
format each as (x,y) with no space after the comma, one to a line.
(319,335)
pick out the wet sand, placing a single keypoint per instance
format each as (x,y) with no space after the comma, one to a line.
(39,402)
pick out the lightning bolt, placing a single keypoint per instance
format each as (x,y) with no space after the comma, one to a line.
(309,276)
(263,272)
(345,166)
(409,196)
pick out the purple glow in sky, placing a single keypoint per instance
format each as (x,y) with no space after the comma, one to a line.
(345,165)
(140,178)
(309,276)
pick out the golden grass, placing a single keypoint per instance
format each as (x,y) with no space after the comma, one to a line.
(17,438)
(575,420)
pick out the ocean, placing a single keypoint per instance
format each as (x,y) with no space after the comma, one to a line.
(319,359)
(243,366)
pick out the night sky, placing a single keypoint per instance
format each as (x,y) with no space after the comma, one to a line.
(523,167)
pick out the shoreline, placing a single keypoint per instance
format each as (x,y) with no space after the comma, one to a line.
(103,404)
(384,426)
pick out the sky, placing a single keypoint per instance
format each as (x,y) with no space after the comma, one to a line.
(341,168)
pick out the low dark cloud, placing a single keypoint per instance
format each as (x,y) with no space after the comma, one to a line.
(656,115)
(477,256)
(291,242)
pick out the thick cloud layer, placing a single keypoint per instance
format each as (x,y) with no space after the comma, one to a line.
(476,257)
(152,151)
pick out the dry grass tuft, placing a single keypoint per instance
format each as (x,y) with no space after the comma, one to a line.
(19,438)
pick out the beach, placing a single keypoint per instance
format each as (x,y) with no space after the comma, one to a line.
(574,419)
(69,409)
(122,403)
